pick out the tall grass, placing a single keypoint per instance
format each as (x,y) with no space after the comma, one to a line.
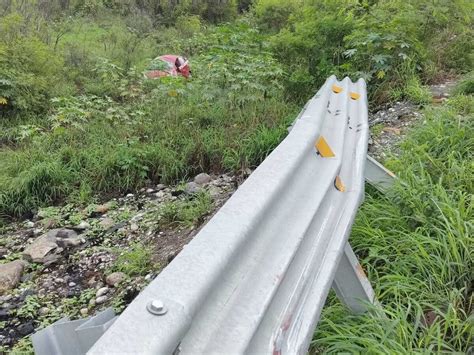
(124,131)
(416,244)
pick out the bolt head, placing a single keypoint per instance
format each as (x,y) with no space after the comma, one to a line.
(156,307)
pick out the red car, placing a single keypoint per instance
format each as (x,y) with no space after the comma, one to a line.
(168,65)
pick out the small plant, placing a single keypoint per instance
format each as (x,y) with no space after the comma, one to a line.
(136,261)
(30,307)
(186,212)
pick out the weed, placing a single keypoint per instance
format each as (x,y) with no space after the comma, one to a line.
(186,212)
(135,261)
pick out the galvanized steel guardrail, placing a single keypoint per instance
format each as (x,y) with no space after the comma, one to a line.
(256,277)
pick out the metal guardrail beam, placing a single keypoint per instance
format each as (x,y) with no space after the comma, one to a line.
(256,277)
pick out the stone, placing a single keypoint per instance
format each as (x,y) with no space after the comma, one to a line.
(101,299)
(49,223)
(115,278)
(202,179)
(191,188)
(3,252)
(63,233)
(102,291)
(29,224)
(150,191)
(160,194)
(66,238)
(43,311)
(71,284)
(106,223)
(84,312)
(4,314)
(129,195)
(41,248)
(214,191)
(26,328)
(69,243)
(10,275)
(160,187)
(134,227)
(83,225)
(101,208)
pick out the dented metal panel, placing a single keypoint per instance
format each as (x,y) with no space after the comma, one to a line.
(255,278)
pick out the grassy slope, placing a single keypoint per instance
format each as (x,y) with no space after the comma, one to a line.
(417,247)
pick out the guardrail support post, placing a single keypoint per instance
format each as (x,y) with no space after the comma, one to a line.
(350,283)
(377,175)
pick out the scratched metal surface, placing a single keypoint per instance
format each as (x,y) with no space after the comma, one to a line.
(255,279)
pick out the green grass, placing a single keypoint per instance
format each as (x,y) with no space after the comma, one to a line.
(185,212)
(416,245)
(124,131)
(136,261)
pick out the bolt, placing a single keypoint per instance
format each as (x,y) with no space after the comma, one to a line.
(156,307)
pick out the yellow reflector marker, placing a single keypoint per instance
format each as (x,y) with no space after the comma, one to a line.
(339,184)
(323,148)
(354,95)
(336,89)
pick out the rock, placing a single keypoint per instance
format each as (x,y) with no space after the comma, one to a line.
(4,314)
(129,195)
(106,223)
(101,299)
(202,179)
(6,298)
(214,191)
(10,275)
(63,233)
(69,243)
(49,223)
(41,248)
(66,238)
(3,252)
(101,209)
(160,194)
(43,311)
(83,225)
(115,278)
(149,191)
(160,187)
(26,328)
(84,312)
(191,188)
(29,224)
(102,291)
(134,227)
(71,284)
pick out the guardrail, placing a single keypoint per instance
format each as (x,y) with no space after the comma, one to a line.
(256,277)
